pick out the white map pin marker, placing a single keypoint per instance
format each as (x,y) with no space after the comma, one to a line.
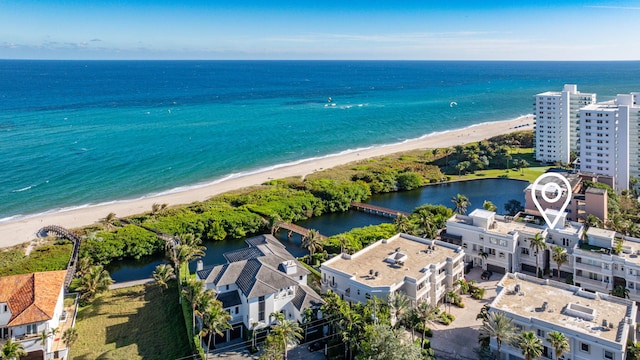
(551,187)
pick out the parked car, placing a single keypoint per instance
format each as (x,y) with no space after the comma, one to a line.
(318,345)
(486,275)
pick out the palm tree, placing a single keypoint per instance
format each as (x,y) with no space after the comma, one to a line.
(426,224)
(398,307)
(343,243)
(461,203)
(163,274)
(12,350)
(402,223)
(69,337)
(620,291)
(498,326)
(560,256)
(558,342)
(307,317)
(351,325)
(488,205)
(312,243)
(537,244)
(274,223)
(84,263)
(427,314)
(530,345)
(289,332)
(109,221)
(193,290)
(187,253)
(94,282)
(215,320)
(633,350)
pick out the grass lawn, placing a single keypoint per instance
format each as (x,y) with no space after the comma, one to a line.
(132,323)
(530,174)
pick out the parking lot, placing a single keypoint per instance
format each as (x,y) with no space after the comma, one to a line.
(457,340)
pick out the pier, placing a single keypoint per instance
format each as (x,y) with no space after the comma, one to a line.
(59,231)
(293,228)
(378,210)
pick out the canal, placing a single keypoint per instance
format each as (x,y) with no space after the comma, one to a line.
(498,191)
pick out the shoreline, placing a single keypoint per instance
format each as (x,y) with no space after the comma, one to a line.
(18,229)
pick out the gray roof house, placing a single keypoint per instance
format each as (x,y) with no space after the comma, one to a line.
(259,280)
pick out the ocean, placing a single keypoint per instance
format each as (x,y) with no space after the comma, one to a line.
(76,133)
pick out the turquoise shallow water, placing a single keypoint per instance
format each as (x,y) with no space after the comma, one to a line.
(74,133)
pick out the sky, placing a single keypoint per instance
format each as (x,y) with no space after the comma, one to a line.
(320,30)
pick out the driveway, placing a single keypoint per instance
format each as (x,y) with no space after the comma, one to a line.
(299,352)
(458,340)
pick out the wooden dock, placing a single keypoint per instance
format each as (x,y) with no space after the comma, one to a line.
(293,228)
(73,261)
(378,210)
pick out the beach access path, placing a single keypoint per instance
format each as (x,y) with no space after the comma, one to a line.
(23,230)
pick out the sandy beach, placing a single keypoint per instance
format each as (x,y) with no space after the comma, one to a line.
(24,230)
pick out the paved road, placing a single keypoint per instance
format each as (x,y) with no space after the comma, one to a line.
(125,284)
(300,352)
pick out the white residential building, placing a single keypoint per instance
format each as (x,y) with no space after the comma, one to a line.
(257,281)
(32,304)
(422,269)
(610,138)
(599,268)
(501,243)
(558,123)
(597,325)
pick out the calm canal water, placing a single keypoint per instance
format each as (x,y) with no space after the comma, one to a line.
(498,191)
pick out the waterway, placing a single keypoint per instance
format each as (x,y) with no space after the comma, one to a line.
(498,191)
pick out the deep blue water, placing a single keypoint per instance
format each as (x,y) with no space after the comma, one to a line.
(85,132)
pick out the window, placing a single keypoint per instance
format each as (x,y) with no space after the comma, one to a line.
(524,251)
(261,308)
(584,347)
(5,308)
(237,309)
(608,355)
(540,333)
(32,329)
(227,287)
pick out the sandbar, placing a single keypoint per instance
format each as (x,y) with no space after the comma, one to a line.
(25,229)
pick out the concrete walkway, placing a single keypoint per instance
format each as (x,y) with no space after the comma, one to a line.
(458,340)
(125,284)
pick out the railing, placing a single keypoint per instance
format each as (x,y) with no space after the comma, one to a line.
(62,232)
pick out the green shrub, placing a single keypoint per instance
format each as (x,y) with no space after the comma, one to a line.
(44,258)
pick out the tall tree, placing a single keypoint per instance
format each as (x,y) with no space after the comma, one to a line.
(70,336)
(402,223)
(186,253)
(399,306)
(426,224)
(381,342)
(311,242)
(559,343)
(530,345)
(461,203)
(537,244)
(95,281)
(215,320)
(163,274)
(488,205)
(427,314)
(13,350)
(109,221)
(560,257)
(351,325)
(289,333)
(620,291)
(499,327)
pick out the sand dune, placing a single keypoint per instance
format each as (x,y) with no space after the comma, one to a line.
(23,230)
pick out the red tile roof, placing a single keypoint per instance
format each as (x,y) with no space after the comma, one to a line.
(31,297)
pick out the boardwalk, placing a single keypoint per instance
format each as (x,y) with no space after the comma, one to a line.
(378,210)
(64,233)
(293,228)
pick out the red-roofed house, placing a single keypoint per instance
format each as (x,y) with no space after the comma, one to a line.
(30,304)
